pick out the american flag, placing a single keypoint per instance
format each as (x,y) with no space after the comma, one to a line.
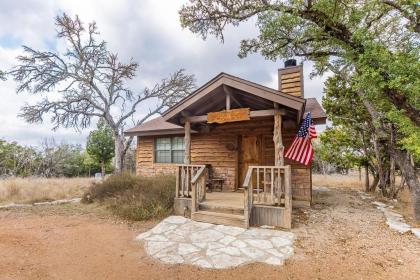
(301,149)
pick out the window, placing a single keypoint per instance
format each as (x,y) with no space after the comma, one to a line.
(169,150)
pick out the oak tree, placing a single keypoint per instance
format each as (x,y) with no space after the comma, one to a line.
(90,82)
(373,44)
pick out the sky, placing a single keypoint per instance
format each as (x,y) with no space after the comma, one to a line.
(147,31)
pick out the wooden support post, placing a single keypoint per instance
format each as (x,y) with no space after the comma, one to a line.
(287,197)
(277,138)
(187,153)
(227,100)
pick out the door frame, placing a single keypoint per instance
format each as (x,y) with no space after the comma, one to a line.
(259,151)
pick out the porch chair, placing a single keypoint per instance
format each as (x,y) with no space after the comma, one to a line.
(213,182)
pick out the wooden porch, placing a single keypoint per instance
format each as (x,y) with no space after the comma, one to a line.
(265,198)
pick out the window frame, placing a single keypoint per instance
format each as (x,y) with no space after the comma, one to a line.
(171,149)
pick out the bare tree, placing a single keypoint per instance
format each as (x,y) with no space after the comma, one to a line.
(91,83)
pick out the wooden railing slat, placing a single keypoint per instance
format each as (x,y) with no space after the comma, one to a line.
(272,198)
(258,185)
(279,184)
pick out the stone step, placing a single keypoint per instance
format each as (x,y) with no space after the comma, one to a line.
(219,218)
(221,209)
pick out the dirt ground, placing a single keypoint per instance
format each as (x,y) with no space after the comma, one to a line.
(341,237)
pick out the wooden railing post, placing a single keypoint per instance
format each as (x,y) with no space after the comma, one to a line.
(248,194)
(287,196)
(193,198)
(187,140)
(178,168)
(198,185)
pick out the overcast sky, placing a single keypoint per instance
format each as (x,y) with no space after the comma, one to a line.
(147,31)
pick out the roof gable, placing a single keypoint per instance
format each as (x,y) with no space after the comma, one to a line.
(248,87)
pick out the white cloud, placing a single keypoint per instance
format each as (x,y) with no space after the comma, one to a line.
(148,31)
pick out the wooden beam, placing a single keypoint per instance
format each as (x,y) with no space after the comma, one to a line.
(197,119)
(253,114)
(236,100)
(229,91)
(187,140)
(278,138)
(227,101)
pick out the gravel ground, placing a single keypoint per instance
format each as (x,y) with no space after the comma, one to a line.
(341,237)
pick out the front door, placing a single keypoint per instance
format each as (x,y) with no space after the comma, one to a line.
(249,154)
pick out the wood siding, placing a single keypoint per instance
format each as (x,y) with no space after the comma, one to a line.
(220,148)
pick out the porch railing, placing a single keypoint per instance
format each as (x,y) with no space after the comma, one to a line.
(185,173)
(267,185)
(198,188)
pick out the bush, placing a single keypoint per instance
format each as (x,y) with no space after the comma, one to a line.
(133,197)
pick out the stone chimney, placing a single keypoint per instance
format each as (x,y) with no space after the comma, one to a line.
(291,78)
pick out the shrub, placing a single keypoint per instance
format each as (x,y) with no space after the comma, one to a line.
(133,197)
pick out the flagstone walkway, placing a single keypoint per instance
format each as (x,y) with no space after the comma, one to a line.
(177,240)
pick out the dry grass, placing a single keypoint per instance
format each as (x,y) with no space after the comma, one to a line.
(338,181)
(350,181)
(29,190)
(133,197)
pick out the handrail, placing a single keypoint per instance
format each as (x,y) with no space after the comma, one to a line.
(248,177)
(191,183)
(198,174)
(185,173)
(198,188)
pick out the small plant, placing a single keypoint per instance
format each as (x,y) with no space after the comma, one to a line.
(133,197)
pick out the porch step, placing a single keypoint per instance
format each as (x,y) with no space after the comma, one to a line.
(219,218)
(221,209)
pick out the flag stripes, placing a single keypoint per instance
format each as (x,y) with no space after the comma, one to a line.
(301,149)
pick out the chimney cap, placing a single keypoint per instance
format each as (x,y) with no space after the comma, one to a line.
(290,63)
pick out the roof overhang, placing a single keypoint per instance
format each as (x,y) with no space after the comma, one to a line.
(169,123)
(223,79)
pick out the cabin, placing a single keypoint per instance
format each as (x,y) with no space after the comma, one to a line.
(225,143)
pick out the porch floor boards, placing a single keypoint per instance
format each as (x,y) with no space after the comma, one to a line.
(225,199)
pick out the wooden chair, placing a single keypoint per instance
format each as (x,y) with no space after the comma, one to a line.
(214,182)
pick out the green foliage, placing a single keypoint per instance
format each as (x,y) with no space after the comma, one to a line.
(49,160)
(135,198)
(371,46)
(341,148)
(100,144)
(17,160)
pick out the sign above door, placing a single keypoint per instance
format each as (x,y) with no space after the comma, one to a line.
(234,115)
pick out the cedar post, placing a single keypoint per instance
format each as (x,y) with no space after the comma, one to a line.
(187,140)
(227,101)
(277,138)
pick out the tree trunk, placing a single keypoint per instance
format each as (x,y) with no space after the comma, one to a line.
(383,167)
(103,169)
(367,178)
(119,153)
(393,187)
(402,159)
(408,172)
(374,183)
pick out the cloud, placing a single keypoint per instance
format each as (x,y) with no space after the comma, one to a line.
(147,31)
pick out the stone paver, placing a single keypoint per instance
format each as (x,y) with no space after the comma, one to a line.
(177,240)
(396,221)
